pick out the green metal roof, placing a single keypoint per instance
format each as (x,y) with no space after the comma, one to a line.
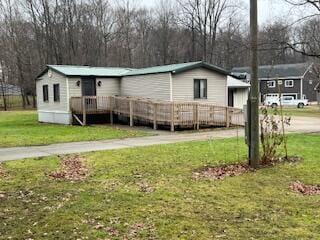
(277,71)
(175,68)
(69,70)
(89,71)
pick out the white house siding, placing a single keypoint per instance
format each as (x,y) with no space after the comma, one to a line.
(74,90)
(156,86)
(240,97)
(183,86)
(53,112)
(109,86)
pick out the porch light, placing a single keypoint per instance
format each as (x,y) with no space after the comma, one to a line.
(78,83)
(99,84)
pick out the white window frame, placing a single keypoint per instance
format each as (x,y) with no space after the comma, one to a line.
(273,85)
(286,83)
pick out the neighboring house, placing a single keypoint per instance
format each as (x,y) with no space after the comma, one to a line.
(196,81)
(297,80)
(238,92)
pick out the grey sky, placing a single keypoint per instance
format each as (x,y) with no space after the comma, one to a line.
(269,10)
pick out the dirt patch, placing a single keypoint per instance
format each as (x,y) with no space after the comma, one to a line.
(307,190)
(72,169)
(221,172)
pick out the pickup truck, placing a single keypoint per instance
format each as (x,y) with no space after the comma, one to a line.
(285,101)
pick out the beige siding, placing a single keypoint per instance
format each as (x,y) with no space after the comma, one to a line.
(56,78)
(183,84)
(74,90)
(156,86)
(109,87)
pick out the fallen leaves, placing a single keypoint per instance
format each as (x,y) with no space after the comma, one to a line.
(118,229)
(72,169)
(145,187)
(307,190)
(2,172)
(221,172)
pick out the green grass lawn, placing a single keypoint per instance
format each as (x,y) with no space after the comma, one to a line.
(110,205)
(21,128)
(308,111)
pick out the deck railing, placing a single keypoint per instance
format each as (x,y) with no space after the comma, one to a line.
(159,112)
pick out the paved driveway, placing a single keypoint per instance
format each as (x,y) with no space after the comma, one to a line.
(304,124)
(298,125)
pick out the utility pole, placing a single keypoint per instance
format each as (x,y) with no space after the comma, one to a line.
(254,93)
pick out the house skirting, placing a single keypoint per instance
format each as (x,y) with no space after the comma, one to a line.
(55,117)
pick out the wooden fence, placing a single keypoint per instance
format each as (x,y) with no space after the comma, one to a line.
(173,114)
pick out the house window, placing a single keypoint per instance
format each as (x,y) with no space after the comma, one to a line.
(271,84)
(56,92)
(45,93)
(200,88)
(288,83)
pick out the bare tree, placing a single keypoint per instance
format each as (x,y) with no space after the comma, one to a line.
(306,36)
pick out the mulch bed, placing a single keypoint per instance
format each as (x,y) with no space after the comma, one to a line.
(304,189)
(72,169)
(221,172)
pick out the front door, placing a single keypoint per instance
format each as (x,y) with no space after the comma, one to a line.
(89,90)
(89,86)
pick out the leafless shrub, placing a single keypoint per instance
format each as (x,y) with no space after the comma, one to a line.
(272,135)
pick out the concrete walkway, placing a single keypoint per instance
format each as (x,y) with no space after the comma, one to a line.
(15,153)
(298,125)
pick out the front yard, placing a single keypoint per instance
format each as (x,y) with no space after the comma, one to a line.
(149,193)
(20,128)
(307,111)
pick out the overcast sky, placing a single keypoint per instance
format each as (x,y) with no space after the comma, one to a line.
(269,10)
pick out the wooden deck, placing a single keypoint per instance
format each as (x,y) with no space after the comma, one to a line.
(173,114)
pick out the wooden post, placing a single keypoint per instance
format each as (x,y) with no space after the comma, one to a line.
(254,93)
(111,110)
(84,114)
(131,113)
(155,116)
(172,117)
(227,118)
(197,116)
